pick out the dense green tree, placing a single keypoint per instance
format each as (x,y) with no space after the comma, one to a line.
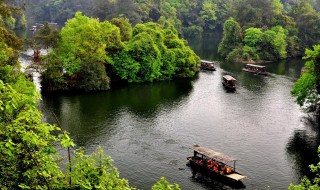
(155,53)
(95,37)
(307,88)
(104,9)
(9,43)
(10,23)
(253,37)
(47,36)
(84,48)
(258,44)
(208,14)
(243,53)
(78,45)
(279,42)
(21,22)
(125,28)
(52,76)
(140,60)
(307,19)
(232,37)
(253,13)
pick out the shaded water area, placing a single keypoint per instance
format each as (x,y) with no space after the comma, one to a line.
(149,129)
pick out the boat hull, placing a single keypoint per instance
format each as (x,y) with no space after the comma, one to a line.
(228,87)
(255,72)
(208,68)
(207,65)
(209,172)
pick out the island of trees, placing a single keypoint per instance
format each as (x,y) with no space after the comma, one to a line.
(90,54)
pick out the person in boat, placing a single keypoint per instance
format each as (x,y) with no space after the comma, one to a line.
(223,168)
(229,170)
(215,169)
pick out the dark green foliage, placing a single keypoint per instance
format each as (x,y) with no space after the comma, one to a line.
(232,37)
(92,77)
(307,88)
(21,22)
(308,20)
(52,77)
(300,24)
(47,37)
(9,47)
(155,53)
(245,53)
(86,45)
(143,56)
(256,44)
(125,28)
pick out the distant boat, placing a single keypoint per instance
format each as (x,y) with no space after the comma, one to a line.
(215,164)
(256,69)
(34,28)
(229,82)
(207,65)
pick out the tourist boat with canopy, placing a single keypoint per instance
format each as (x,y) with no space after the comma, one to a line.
(229,82)
(256,69)
(215,163)
(207,65)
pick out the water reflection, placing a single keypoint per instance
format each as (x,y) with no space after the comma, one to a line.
(109,109)
(303,145)
(206,46)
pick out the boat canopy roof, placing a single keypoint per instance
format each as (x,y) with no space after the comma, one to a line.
(228,77)
(258,66)
(204,61)
(213,154)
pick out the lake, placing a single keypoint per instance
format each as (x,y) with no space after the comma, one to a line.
(148,129)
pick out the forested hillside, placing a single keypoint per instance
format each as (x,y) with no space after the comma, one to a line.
(188,16)
(299,18)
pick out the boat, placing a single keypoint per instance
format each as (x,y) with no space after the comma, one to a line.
(34,28)
(256,69)
(207,65)
(215,164)
(229,82)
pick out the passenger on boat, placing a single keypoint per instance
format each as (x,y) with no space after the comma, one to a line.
(215,169)
(223,168)
(209,163)
(229,170)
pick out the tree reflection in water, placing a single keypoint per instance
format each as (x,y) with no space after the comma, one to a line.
(303,145)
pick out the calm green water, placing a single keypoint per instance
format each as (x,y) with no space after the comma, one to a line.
(148,129)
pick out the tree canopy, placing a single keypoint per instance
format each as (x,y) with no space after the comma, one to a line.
(296,28)
(307,88)
(89,50)
(155,53)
